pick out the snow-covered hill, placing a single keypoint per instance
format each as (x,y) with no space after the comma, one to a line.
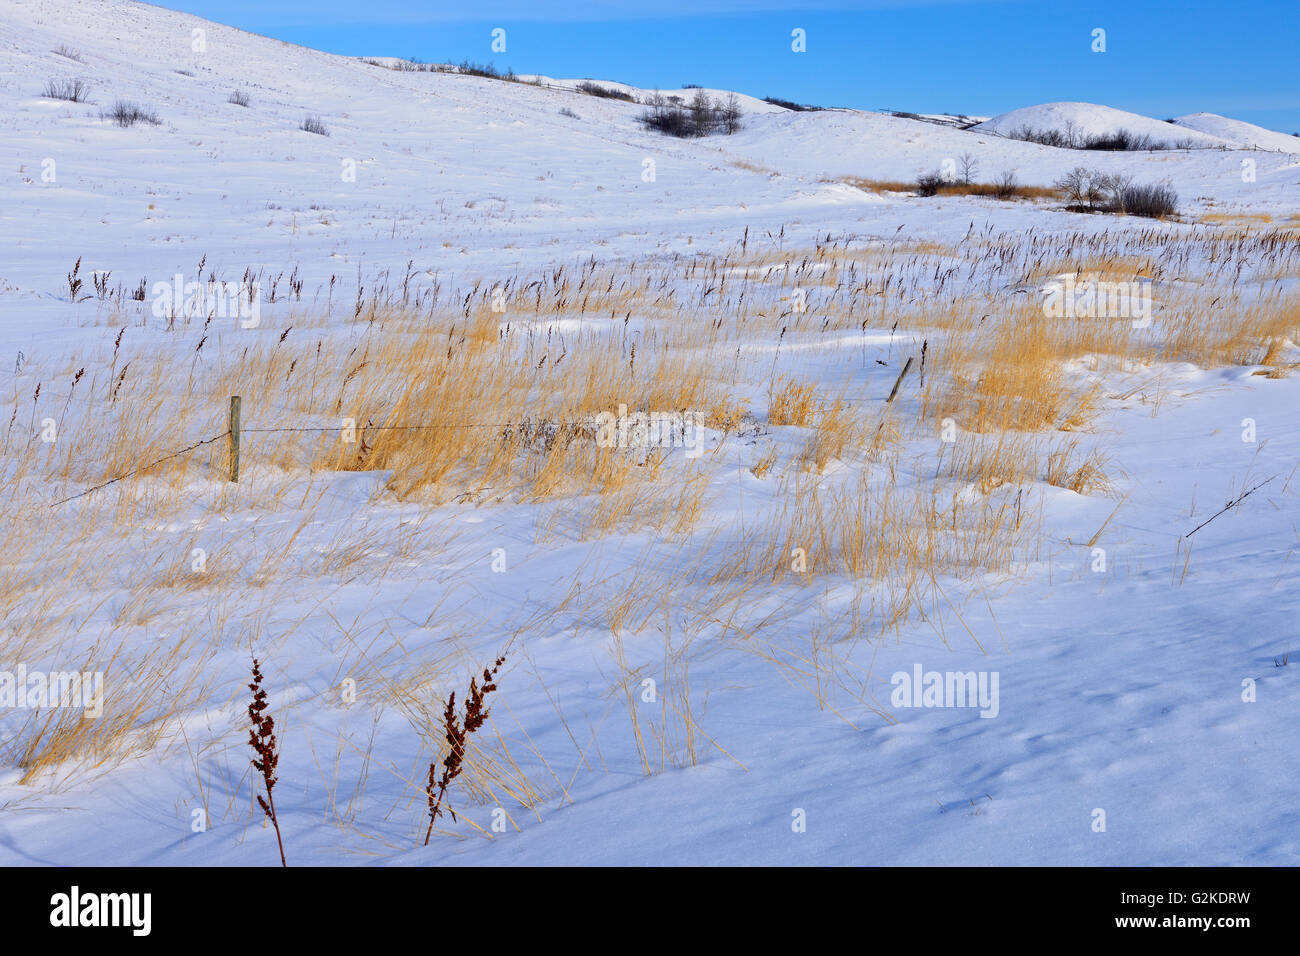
(1246,135)
(1197,131)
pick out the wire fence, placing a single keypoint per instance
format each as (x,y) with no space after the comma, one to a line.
(236,430)
(136,471)
(321,429)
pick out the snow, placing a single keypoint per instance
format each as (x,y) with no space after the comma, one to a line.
(1119,691)
(1242,134)
(1200,130)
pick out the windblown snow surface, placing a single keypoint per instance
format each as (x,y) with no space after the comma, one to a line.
(1120,691)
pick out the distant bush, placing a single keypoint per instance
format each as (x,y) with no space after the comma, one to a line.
(1072,138)
(1082,187)
(1044,137)
(1122,139)
(74,91)
(935,184)
(701,117)
(313,124)
(239,98)
(126,114)
(790,105)
(1157,202)
(1089,190)
(1005,186)
(488,70)
(670,119)
(565,111)
(604,92)
(929,184)
(412,65)
(68,52)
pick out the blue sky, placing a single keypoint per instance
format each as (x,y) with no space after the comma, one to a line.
(1163,58)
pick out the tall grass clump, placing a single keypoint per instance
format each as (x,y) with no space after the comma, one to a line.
(936,184)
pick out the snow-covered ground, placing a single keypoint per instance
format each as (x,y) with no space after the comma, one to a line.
(1151,691)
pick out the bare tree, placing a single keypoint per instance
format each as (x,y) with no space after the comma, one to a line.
(703,112)
(970,168)
(731,113)
(1074,185)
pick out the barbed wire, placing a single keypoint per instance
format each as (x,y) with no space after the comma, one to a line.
(136,471)
(372,428)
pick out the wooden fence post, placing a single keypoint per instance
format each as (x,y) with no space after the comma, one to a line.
(906,368)
(234,438)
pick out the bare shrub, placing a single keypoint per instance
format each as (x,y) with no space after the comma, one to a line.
(314,124)
(1122,139)
(604,92)
(1072,138)
(126,114)
(487,70)
(1089,190)
(929,184)
(667,116)
(1157,202)
(239,98)
(74,91)
(1079,189)
(791,105)
(1006,187)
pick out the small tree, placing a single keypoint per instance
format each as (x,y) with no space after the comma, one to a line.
(731,114)
(1112,188)
(970,168)
(1083,188)
(702,113)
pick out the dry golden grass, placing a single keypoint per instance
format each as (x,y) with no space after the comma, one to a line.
(1240,219)
(957,188)
(454,404)
(792,403)
(880,186)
